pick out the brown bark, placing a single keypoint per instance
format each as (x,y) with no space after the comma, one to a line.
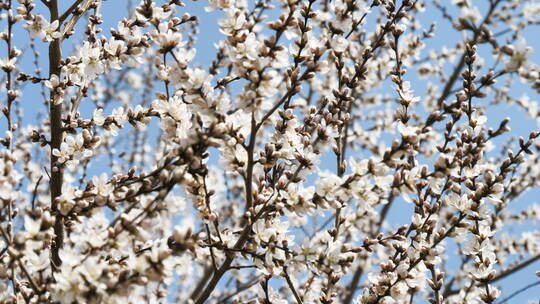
(55,119)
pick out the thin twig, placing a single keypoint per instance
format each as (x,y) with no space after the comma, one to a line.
(291,286)
(34,194)
(519,291)
(71,23)
(46,3)
(69,10)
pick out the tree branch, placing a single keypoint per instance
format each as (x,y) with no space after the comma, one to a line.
(69,11)
(457,70)
(291,286)
(501,275)
(71,23)
(46,3)
(55,119)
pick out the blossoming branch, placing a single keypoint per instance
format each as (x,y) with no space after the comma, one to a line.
(328,151)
